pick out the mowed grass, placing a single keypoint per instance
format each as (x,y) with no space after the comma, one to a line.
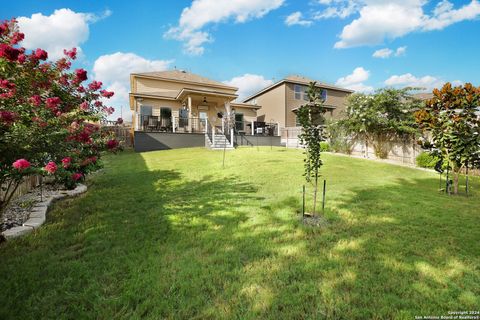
(172,235)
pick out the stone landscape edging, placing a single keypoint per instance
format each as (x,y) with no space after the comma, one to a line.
(38,213)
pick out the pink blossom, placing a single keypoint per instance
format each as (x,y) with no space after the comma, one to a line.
(8,52)
(81,89)
(112,144)
(21,58)
(7,117)
(17,37)
(63,80)
(77,176)
(5,84)
(109,110)
(66,162)
(81,75)
(52,103)
(21,164)
(41,54)
(36,100)
(119,121)
(51,167)
(84,106)
(107,94)
(9,89)
(72,54)
(4,28)
(95,85)
(63,64)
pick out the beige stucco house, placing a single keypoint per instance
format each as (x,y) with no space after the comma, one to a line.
(180,101)
(176,108)
(281,100)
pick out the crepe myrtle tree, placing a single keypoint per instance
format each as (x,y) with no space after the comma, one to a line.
(451,123)
(380,117)
(311,118)
(48,116)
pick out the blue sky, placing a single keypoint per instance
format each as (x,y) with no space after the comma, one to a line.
(360,44)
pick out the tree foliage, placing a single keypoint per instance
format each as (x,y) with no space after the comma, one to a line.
(380,117)
(311,118)
(451,123)
(48,117)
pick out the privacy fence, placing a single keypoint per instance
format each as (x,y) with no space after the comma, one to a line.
(397,150)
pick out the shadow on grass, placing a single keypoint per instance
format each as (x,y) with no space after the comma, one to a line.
(398,251)
(154,244)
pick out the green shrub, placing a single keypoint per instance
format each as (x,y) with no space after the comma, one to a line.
(324,146)
(427,160)
(340,140)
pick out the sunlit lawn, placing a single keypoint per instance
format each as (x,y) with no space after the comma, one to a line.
(171,234)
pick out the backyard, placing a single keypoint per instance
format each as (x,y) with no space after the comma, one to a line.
(171,234)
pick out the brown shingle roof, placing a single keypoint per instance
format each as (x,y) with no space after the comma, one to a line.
(299,80)
(181,75)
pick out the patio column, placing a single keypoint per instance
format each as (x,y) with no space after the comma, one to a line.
(189,104)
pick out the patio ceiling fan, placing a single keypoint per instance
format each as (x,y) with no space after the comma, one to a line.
(204,99)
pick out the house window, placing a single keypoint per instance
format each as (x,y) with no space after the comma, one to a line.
(165,113)
(324,95)
(300,92)
(239,125)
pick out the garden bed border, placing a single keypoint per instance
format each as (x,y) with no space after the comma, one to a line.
(39,212)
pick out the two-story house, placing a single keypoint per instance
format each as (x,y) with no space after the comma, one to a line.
(281,100)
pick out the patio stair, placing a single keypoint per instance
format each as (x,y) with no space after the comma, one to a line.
(220,142)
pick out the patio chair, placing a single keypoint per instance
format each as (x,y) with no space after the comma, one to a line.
(152,123)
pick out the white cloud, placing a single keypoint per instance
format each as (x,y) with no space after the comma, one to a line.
(248,84)
(401,51)
(114,71)
(427,82)
(382,53)
(387,52)
(341,9)
(203,12)
(296,19)
(381,20)
(354,81)
(63,29)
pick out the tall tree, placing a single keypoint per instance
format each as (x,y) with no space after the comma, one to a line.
(312,120)
(451,123)
(378,118)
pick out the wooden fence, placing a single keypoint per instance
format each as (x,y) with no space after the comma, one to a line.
(123,133)
(399,151)
(24,187)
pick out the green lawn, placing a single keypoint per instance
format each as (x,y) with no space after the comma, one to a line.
(171,234)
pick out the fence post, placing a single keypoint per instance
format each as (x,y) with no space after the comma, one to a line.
(286,144)
(253,128)
(173,124)
(303,205)
(231,137)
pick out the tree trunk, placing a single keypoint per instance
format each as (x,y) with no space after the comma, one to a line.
(456,173)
